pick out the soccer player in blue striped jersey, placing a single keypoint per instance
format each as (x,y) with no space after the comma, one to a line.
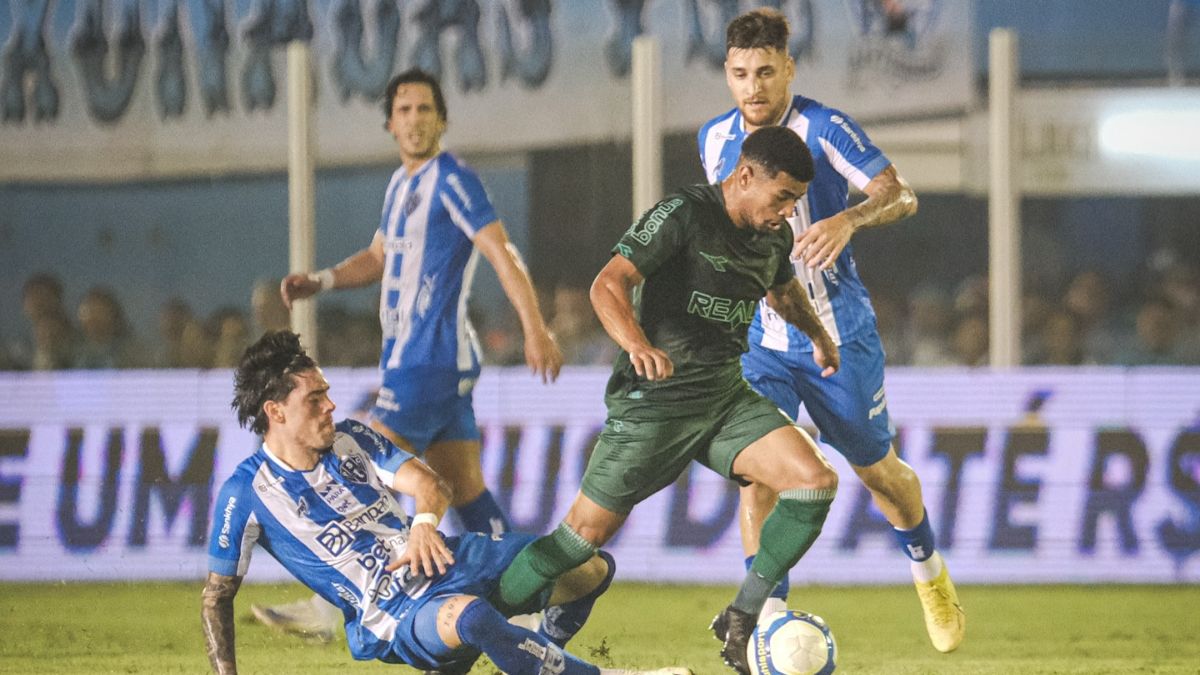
(318,497)
(849,408)
(436,220)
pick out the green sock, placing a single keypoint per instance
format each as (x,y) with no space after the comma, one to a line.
(790,529)
(531,575)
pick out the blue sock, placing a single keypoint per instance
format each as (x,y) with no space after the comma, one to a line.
(514,649)
(781,590)
(562,622)
(483,515)
(918,542)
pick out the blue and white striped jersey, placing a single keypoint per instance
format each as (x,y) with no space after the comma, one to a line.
(334,528)
(842,154)
(429,222)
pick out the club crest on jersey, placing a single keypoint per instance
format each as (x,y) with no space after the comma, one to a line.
(412,202)
(354,469)
(302,508)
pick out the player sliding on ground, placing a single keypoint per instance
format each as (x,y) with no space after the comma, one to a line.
(696,266)
(318,497)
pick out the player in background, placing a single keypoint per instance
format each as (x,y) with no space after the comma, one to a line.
(677,296)
(436,219)
(318,496)
(849,409)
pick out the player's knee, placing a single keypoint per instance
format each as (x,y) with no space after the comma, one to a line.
(474,621)
(820,478)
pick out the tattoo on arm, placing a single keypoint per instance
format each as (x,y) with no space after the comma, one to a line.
(216,614)
(889,198)
(792,303)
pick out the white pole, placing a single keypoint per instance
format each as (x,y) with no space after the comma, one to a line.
(301,185)
(647,124)
(1004,202)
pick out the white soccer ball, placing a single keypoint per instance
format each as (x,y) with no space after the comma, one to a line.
(791,643)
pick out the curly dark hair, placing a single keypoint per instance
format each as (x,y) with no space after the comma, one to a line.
(408,77)
(763,28)
(267,373)
(776,149)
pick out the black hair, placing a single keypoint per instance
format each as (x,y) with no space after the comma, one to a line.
(408,77)
(776,149)
(267,372)
(763,28)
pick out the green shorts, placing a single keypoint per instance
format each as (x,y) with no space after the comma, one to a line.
(644,447)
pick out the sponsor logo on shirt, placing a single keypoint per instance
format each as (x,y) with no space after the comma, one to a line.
(223,539)
(337,536)
(644,230)
(724,310)
(845,126)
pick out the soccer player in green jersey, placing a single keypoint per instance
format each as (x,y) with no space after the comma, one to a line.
(678,296)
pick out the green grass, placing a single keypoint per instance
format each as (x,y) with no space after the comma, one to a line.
(154,628)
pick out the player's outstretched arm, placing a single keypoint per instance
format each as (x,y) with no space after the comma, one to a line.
(610,298)
(792,303)
(216,615)
(360,269)
(427,551)
(542,353)
(889,198)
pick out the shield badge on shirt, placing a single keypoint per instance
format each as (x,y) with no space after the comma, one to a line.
(353,469)
(411,204)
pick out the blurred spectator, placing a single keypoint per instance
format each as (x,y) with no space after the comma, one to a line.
(970,341)
(173,320)
(1036,309)
(971,297)
(49,341)
(889,321)
(1060,342)
(929,324)
(231,334)
(53,343)
(499,337)
(1089,299)
(1180,15)
(1157,342)
(196,345)
(269,311)
(579,334)
(107,340)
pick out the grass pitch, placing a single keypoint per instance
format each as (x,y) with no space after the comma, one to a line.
(155,628)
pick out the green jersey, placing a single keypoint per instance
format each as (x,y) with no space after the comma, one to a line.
(704,280)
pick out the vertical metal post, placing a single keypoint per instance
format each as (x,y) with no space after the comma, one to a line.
(1004,202)
(647,123)
(301,185)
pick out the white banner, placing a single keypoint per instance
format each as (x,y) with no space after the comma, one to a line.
(117,89)
(1035,476)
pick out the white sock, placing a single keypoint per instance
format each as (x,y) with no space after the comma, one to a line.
(928,569)
(771,606)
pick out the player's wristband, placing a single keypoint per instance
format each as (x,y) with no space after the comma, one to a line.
(429,518)
(324,279)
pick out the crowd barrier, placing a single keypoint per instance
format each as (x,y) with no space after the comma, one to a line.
(1039,475)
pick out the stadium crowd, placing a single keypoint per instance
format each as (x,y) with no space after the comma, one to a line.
(1092,320)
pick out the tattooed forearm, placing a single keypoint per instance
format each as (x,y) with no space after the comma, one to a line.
(792,303)
(889,198)
(216,614)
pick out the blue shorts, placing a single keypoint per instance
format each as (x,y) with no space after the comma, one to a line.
(479,560)
(424,409)
(849,408)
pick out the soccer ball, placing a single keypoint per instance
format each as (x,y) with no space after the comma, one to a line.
(791,643)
